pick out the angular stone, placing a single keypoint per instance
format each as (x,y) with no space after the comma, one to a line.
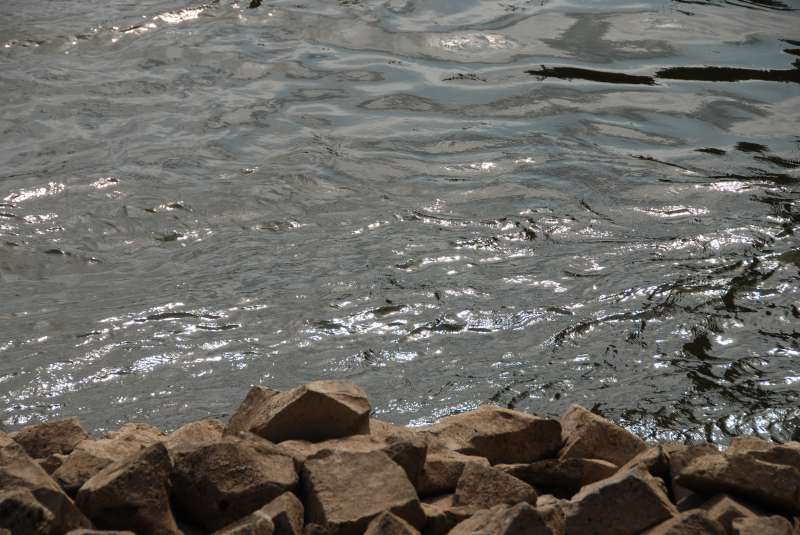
(442,469)
(725,510)
(59,436)
(483,487)
(763,450)
(99,532)
(21,512)
(776,486)
(587,435)
(256,523)
(679,457)
(438,520)
(388,524)
(345,491)
(316,411)
(91,456)
(520,519)
(18,474)
(51,463)
(219,483)
(132,494)
(194,434)
(596,508)
(763,525)
(501,435)
(551,510)
(694,522)
(561,477)
(287,513)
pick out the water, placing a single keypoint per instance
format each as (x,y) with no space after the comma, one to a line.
(534,203)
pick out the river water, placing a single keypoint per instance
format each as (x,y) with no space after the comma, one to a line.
(534,203)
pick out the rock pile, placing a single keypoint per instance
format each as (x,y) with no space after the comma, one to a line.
(311,461)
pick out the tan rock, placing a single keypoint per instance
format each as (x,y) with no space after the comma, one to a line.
(587,435)
(194,434)
(18,474)
(763,450)
(776,486)
(219,483)
(694,522)
(388,524)
(551,510)
(316,411)
(91,456)
(501,435)
(520,519)
(596,508)
(679,457)
(59,436)
(483,487)
(442,470)
(256,523)
(725,510)
(287,514)
(439,520)
(763,525)
(561,477)
(132,494)
(22,513)
(346,490)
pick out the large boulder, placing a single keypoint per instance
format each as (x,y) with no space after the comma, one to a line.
(344,491)
(287,514)
(561,477)
(220,482)
(483,487)
(90,456)
(442,470)
(501,435)
(763,525)
(132,494)
(589,436)
(598,508)
(775,486)
(694,522)
(520,519)
(388,524)
(192,435)
(45,439)
(316,411)
(763,450)
(28,489)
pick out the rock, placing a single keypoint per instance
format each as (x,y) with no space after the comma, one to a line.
(389,524)
(763,525)
(442,470)
(442,514)
(287,513)
(22,513)
(561,477)
(520,519)
(91,456)
(725,510)
(316,411)
(345,491)
(679,457)
(132,493)
(256,523)
(596,508)
(219,483)
(99,532)
(763,450)
(59,436)
(194,434)
(21,479)
(500,435)
(482,487)
(694,522)
(51,463)
(776,486)
(587,435)
(551,510)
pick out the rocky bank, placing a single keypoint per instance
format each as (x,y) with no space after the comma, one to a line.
(312,461)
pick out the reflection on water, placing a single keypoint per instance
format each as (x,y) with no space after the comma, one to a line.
(531,203)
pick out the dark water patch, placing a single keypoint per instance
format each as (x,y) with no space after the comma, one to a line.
(728,74)
(746,146)
(608,77)
(711,150)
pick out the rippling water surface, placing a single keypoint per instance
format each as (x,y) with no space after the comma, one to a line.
(534,203)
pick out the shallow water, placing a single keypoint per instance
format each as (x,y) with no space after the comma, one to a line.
(535,203)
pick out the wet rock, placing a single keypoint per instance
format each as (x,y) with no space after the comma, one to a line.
(220,482)
(776,486)
(389,524)
(256,523)
(763,450)
(763,525)
(132,494)
(287,514)
(316,411)
(442,470)
(694,522)
(482,487)
(587,435)
(60,436)
(505,520)
(596,508)
(345,491)
(725,510)
(91,456)
(21,479)
(500,435)
(561,477)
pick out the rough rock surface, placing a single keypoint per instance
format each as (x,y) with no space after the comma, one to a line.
(694,522)
(218,483)
(256,523)
(483,487)
(194,434)
(500,435)
(561,477)
(442,470)
(762,525)
(59,436)
(316,411)
(788,453)
(725,510)
(345,491)
(520,519)
(20,512)
(132,494)
(287,514)
(596,508)
(587,435)
(99,532)
(21,478)
(389,524)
